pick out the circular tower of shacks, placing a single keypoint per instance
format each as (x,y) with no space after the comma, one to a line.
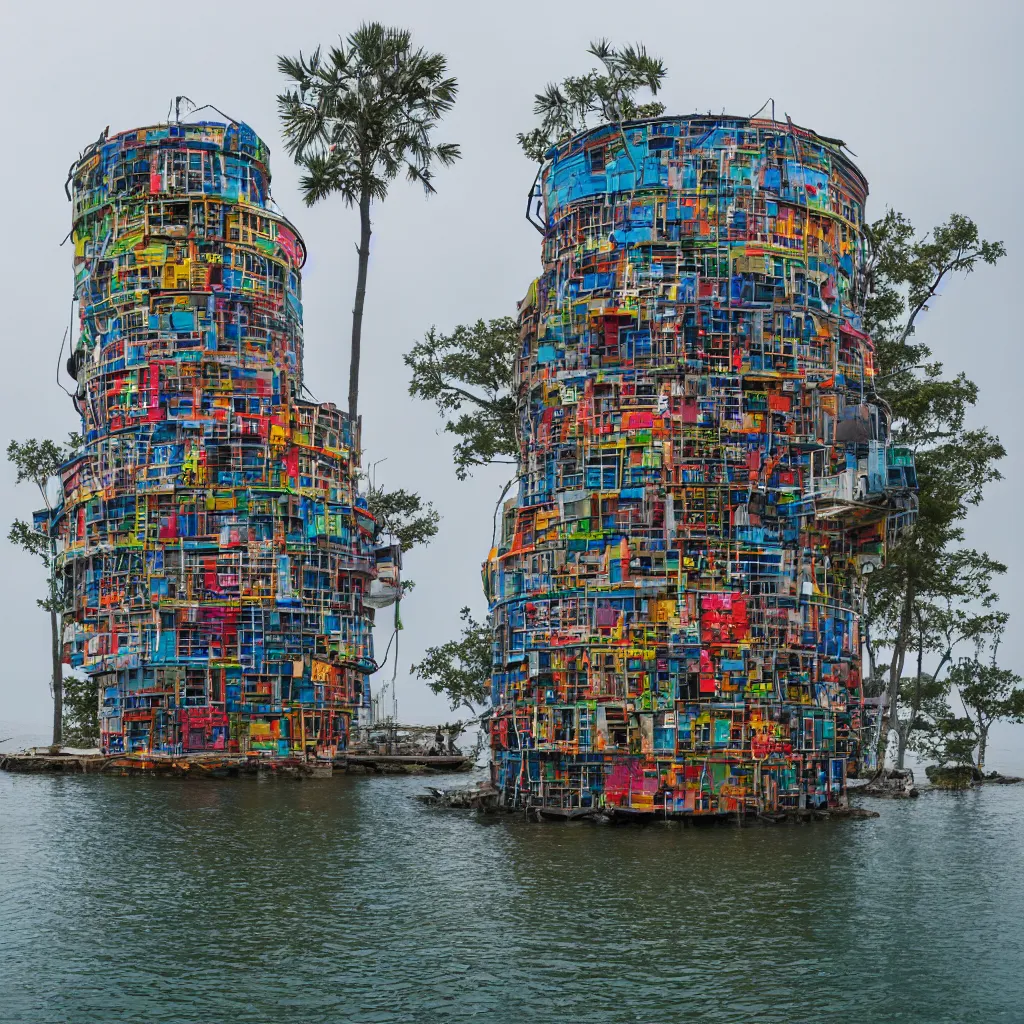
(706,477)
(214,552)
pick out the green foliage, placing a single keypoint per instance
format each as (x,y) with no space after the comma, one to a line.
(952,597)
(81,711)
(404,515)
(355,120)
(989,694)
(21,535)
(606,93)
(934,733)
(470,375)
(926,695)
(929,581)
(903,275)
(460,669)
(359,116)
(958,607)
(950,741)
(38,462)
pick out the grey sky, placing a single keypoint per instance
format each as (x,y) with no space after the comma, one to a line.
(925,92)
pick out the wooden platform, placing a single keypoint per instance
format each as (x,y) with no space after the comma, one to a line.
(380,762)
(211,764)
(27,761)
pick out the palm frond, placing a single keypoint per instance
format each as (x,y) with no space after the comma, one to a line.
(552,98)
(608,92)
(423,175)
(365,112)
(328,175)
(448,152)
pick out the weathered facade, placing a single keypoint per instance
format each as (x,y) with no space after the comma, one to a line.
(215,554)
(706,476)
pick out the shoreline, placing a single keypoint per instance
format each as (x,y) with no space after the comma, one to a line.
(229,765)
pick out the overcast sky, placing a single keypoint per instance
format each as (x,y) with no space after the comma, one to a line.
(925,92)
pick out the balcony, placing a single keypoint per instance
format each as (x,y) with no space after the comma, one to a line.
(883,476)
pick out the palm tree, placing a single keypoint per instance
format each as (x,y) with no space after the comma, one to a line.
(607,93)
(354,119)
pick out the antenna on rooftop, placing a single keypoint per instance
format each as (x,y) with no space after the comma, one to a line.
(177,108)
(193,108)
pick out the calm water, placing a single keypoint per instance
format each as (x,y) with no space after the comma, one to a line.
(343,900)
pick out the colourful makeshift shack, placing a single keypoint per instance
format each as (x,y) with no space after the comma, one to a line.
(706,477)
(214,551)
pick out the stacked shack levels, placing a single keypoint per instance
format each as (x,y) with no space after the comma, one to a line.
(706,478)
(217,565)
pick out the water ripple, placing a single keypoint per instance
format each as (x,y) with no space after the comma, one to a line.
(345,901)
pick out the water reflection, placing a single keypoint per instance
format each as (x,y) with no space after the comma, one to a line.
(345,900)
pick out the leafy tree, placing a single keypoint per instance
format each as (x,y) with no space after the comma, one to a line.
(404,515)
(900,280)
(355,120)
(81,711)
(38,463)
(606,94)
(904,273)
(460,669)
(950,741)
(958,607)
(925,698)
(989,694)
(470,375)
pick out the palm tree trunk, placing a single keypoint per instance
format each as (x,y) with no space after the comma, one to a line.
(57,684)
(357,309)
